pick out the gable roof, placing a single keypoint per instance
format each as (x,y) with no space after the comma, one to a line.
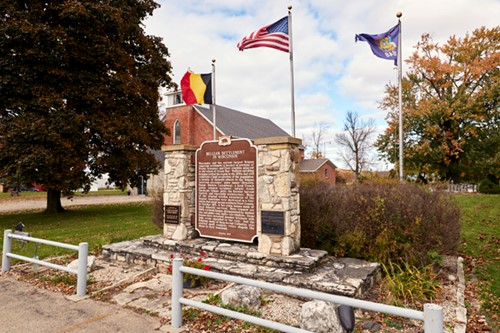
(313,165)
(239,124)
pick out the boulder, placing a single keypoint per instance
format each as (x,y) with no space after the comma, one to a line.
(242,295)
(90,264)
(320,317)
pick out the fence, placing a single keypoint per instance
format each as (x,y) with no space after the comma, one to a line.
(432,314)
(82,248)
(466,187)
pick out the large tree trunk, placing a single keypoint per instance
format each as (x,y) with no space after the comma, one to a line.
(54,202)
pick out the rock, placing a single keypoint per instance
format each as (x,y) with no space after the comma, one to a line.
(320,317)
(90,264)
(242,295)
(371,326)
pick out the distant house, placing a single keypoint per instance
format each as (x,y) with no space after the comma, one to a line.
(321,168)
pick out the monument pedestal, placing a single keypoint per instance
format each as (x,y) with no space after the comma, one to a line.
(179,192)
(234,202)
(278,195)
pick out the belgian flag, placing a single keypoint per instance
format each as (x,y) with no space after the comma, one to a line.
(196,88)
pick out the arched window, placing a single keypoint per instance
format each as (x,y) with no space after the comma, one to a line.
(177,132)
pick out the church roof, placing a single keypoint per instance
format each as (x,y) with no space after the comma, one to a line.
(239,124)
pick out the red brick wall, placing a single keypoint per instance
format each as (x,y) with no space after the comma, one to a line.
(331,176)
(194,128)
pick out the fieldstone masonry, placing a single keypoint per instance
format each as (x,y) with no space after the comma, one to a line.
(277,190)
(180,189)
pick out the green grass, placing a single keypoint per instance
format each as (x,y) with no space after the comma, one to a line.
(7,195)
(480,243)
(98,225)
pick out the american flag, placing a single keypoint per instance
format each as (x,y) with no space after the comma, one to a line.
(274,36)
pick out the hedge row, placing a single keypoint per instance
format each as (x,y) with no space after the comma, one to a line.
(379,221)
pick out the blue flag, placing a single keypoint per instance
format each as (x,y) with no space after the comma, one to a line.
(384,45)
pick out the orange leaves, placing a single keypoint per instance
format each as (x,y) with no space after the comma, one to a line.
(450,98)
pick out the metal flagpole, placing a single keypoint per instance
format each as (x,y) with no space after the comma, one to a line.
(400,79)
(214,113)
(291,66)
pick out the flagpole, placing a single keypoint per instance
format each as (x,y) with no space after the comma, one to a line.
(400,79)
(214,113)
(291,67)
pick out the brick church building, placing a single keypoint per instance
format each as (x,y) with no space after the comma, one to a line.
(194,124)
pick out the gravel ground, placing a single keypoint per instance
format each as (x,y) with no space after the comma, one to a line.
(36,203)
(278,307)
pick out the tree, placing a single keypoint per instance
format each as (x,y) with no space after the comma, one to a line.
(450,107)
(355,142)
(79,93)
(318,135)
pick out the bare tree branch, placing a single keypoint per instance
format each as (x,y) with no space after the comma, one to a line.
(318,138)
(355,142)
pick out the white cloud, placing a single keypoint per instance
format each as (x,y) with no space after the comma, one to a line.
(332,73)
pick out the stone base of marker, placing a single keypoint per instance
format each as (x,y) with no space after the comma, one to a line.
(179,191)
(277,192)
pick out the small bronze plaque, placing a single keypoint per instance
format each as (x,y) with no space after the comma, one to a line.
(172,214)
(273,222)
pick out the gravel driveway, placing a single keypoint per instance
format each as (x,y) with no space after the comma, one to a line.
(36,203)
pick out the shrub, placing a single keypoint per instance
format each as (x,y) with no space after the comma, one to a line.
(407,285)
(488,186)
(157,217)
(384,222)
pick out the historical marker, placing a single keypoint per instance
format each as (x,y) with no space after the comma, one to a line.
(273,222)
(172,214)
(226,189)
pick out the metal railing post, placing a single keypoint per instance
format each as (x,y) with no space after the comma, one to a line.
(81,279)
(433,318)
(7,246)
(177,290)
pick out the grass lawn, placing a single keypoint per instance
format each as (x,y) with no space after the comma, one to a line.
(481,242)
(104,224)
(7,195)
(98,225)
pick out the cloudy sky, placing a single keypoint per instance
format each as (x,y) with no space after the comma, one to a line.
(333,74)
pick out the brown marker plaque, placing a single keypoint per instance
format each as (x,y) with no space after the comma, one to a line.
(172,214)
(226,190)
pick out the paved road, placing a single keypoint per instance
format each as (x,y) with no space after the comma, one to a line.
(30,203)
(24,308)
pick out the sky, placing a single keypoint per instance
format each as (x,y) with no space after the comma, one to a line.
(332,73)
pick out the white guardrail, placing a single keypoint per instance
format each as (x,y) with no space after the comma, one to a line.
(82,248)
(432,314)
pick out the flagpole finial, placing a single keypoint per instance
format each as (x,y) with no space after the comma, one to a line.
(289,7)
(399,14)
(213,61)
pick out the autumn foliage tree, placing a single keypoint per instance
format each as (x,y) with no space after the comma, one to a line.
(450,108)
(79,86)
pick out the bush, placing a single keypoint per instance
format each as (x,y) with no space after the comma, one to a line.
(157,217)
(488,186)
(406,285)
(384,222)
